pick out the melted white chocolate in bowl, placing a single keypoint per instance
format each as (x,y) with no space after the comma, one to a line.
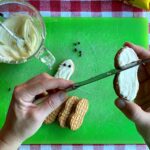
(23,27)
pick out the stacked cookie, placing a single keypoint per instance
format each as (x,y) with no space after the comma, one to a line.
(126,83)
(70,114)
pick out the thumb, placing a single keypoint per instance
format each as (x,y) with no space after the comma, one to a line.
(51,103)
(131,111)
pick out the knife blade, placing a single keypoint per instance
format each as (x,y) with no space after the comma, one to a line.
(107,74)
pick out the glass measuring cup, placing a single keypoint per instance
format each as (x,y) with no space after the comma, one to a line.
(9,8)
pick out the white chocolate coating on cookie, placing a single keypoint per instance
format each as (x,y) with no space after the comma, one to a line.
(65,70)
(128,80)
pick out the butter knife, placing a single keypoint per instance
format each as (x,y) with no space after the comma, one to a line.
(107,74)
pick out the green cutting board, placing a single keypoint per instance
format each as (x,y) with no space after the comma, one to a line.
(100,39)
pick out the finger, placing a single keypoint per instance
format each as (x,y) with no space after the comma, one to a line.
(143,102)
(51,103)
(132,111)
(143,90)
(47,84)
(141,52)
(146,106)
(30,90)
(40,77)
(142,74)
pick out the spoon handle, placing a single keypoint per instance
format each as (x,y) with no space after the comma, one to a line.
(9,31)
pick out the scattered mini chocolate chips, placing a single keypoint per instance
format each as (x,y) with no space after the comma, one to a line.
(64,64)
(69,66)
(75,50)
(75,44)
(80,53)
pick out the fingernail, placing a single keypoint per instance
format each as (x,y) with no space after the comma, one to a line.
(128,44)
(121,103)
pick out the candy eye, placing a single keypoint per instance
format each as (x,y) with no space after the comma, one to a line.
(69,66)
(64,64)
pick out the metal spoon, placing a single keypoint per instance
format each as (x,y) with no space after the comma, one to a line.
(20,42)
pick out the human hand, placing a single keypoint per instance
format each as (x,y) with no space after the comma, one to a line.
(139,112)
(25,117)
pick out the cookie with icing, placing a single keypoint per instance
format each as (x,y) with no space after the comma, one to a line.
(65,70)
(126,83)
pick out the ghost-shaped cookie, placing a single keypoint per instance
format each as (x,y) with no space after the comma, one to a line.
(65,70)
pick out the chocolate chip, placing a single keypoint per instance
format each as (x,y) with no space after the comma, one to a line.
(9,89)
(69,66)
(75,50)
(80,53)
(64,64)
(75,44)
